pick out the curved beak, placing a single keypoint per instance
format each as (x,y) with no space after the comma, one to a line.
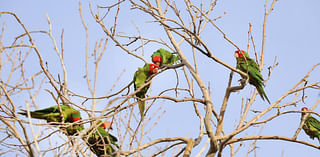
(236,55)
(155,70)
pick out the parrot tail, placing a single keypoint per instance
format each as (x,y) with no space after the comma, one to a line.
(262,93)
(23,112)
(318,137)
(33,114)
(141,107)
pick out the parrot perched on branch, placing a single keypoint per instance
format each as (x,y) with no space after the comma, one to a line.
(162,56)
(248,65)
(311,125)
(140,77)
(100,141)
(52,114)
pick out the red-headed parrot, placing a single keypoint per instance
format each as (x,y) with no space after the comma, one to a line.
(255,77)
(100,141)
(139,79)
(311,125)
(162,56)
(52,114)
(75,128)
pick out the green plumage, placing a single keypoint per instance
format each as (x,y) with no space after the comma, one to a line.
(167,57)
(100,141)
(140,77)
(311,127)
(73,129)
(52,114)
(255,77)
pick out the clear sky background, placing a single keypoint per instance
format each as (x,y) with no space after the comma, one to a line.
(292,37)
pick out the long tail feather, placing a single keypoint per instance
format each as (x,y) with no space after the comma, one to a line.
(36,115)
(141,107)
(23,112)
(262,93)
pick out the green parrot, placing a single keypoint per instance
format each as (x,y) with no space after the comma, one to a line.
(162,56)
(255,77)
(75,128)
(52,114)
(140,77)
(311,125)
(100,141)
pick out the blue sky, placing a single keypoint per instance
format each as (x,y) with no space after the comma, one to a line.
(292,36)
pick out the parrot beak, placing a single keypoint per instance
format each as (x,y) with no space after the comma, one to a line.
(236,55)
(155,70)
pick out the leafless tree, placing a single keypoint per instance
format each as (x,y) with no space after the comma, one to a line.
(184,31)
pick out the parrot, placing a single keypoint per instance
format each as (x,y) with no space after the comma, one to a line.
(99,140)
(52,114)
(255,77)
(311,125)
(162,56)
(75,128)
(140,77)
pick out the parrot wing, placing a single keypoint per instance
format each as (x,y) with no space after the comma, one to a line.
(139,79)
(255,77)
(314,123)
(253,69)
(52,114)
(47,113)
(167,57)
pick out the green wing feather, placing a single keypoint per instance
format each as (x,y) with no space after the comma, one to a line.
(167,57)
(312,127)
(314,123)
(139,79)
(43,113)
(255,77)
(52,114)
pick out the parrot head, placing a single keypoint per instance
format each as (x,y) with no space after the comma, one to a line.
(304,109)
(76,116)
(157,60)
(153,68)
(240,53)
